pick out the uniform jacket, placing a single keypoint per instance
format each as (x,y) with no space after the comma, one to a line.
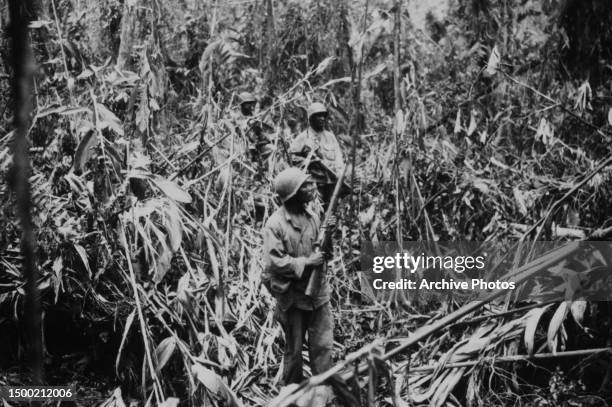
(288,240)
(325,147)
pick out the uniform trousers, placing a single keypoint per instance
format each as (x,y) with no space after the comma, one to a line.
(319,324)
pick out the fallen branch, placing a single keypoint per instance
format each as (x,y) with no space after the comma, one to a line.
(520,276)
(198,158)
(509,359)
(556,104)
(499,315)
(569,193)
(558,231)
(600,234)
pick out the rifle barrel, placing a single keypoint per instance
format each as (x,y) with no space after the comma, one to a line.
(315,276)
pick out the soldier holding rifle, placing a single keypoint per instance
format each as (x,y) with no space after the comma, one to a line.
(317,151)
(294,252)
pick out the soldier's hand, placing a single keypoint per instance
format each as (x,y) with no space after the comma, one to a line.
(315,259)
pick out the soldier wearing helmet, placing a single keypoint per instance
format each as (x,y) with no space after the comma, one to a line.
(317,150)
(259,146)
(237,124)
(289,257)
(248,140)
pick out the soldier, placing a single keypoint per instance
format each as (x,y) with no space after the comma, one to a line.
(317,150)
(240,121)
(252,129)
(248,140)
(289,257)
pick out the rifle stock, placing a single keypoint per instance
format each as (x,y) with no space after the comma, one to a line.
(315,276)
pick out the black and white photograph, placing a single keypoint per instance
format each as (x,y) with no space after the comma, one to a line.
(306,203)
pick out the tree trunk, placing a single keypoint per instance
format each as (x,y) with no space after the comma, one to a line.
(21,13)
(343,36)
(126,40)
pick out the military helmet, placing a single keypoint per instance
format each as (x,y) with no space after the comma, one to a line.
(288,182)
(246,97)
(315,108)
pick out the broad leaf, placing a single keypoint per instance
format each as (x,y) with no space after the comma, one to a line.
(458,126)
(172,190)
(578,308)
(215,385)
(84,150)
(164,352)
(323,65)
(493,64)
(83,255)
(170,402)
(555,326)
(126,330)
(107,119)
(472,127)
(531,325)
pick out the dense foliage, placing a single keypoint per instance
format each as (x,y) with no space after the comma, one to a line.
(148,245)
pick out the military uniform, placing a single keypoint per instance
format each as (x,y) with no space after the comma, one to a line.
(311,147)
(259,146)
(289,239)
(247,141)
(322,146)
(237,123)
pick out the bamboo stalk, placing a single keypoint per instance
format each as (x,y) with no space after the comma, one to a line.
(220,294)
(126,37)
(356,108)
(64,59)
(208,80)
(396,54)
(399,132)
(148,360)
(270,45)
(217,274)
(510,359)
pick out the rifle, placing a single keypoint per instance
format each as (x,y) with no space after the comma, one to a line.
(315,276)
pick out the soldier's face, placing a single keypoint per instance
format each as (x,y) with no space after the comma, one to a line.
(307,191)
(317,121)
(247,108)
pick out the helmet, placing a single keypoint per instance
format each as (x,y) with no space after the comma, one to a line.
(316,108)
(246,97)
(288,182)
